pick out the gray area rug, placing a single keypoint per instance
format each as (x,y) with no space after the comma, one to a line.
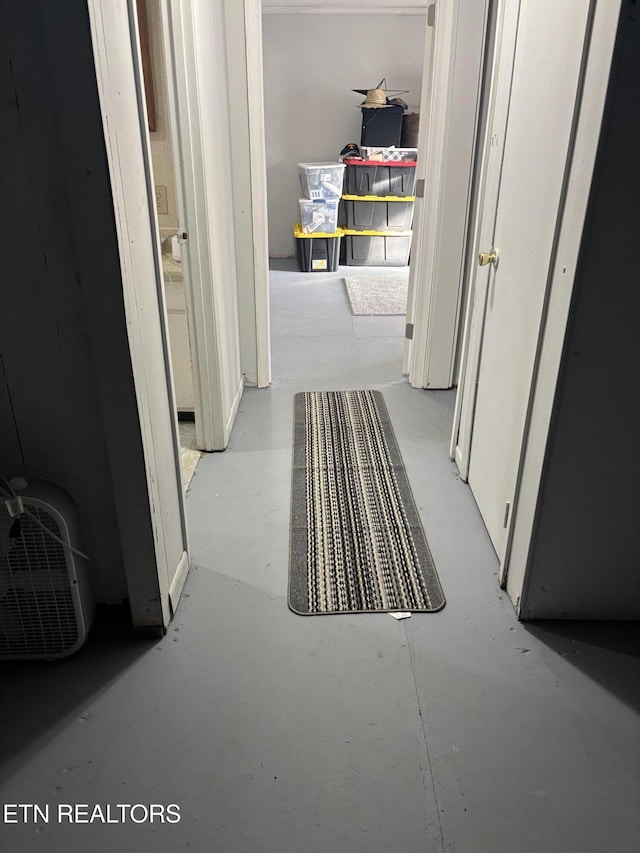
(378,293)
(357,542)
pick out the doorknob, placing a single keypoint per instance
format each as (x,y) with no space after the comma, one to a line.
(488,258)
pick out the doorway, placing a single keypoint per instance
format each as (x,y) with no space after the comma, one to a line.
(535,182)
(449,107)
(161,136)
(312,62)
(227,348)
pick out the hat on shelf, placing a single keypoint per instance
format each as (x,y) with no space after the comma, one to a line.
(378,97)
(351,150)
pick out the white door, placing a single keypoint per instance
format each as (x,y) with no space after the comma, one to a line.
(487,202)
(547,72)
(451,88)
(154,589)
(195,55)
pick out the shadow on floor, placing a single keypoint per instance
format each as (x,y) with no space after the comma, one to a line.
(37,696)
(607,652)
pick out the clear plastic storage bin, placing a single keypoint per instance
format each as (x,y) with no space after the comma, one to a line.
(321,180)
(319,214)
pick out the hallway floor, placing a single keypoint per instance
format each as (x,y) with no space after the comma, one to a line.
(460,731)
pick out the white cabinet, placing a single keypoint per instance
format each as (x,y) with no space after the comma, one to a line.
(179,345)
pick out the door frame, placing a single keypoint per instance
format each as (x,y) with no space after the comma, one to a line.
(597,62)
(580,163)
(478,278)
(451,99)
(207,330)
(439,247)
(154,589)
(243,33)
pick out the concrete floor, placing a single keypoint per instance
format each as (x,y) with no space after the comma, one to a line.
(458,731)
(189,454)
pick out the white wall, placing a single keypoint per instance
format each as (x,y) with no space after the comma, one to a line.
(311,64)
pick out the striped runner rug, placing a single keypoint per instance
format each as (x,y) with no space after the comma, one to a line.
(357,543)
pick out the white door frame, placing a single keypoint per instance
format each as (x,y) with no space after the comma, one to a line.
(450,104)
(452,70)
(571,220)
(258,160)
(154,589)
(451,91)
(243,23)
(597,57)
(207,326)
(489,185)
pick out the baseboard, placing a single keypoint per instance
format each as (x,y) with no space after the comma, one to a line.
(175,590)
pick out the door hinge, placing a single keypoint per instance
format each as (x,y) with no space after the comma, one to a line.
(431,15)
(419,188)
(507,509)
(408,331)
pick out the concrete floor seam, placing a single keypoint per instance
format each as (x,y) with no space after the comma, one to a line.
(423,728)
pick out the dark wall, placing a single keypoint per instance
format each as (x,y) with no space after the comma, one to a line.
(66,385)
(586,557)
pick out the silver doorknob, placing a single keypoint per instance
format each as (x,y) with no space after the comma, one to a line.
(488,258)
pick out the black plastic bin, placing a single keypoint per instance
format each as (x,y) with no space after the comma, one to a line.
(371,177)
(382,125)
(319,252)
(375,249)
(375,213)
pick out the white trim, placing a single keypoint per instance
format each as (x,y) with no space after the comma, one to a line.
(203,264)
(233,411)
(155,231)
(418,255)
(117,60)
(553,258)
(595,85)
(503,59)
(457,456)
(243,31)
(439,239)
(444,53)
(258,166)
(178,582)
(178,83)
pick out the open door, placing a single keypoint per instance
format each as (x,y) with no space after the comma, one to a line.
(450,110)
(195,55)
(487,201)
(154,584)
(535,109)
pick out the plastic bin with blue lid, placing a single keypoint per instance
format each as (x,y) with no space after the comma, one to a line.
(321,180)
